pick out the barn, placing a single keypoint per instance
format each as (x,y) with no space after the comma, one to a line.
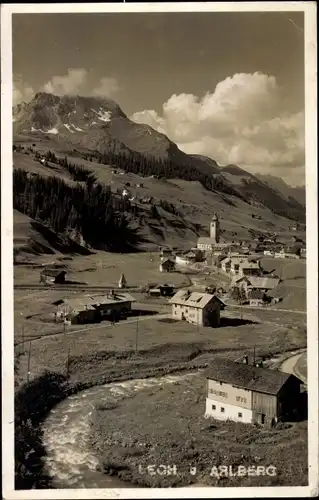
(250,394)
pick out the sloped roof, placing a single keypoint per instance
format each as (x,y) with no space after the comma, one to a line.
(167,262)
(249,265)
(259,281)
(263,282)
(193,299)
(88,302)
(53,272)
(236,259)
(205,241)
(247,376)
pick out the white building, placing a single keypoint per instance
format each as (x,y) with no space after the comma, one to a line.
(249,394)
(212,243)
(167,265)
(200,308)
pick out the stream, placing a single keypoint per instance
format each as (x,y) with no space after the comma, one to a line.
(70,460)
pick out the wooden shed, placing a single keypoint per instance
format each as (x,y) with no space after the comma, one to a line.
(52,276)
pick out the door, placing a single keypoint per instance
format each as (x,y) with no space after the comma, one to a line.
(262,418)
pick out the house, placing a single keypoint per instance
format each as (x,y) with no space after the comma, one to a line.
(166,290)
(166,252)
(251,268)
(250,394)
(269,253)
(279,255)
(203,309)
(125,193)
(52,276)
(93,309)
(232,264)
(167,266)
(185,259)
(256,297)
(162,291)
(291,255)
(225,264)
(261,283)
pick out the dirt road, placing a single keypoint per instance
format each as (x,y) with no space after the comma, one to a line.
(288,366)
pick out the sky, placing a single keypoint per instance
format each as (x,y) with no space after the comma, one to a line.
(226,85)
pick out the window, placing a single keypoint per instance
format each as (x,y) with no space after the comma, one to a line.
(213,407)
(241,400)
(222,410)
(219,393)
(240,415)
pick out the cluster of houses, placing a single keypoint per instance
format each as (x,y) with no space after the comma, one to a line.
(287,252)
(248,277)
(232,252)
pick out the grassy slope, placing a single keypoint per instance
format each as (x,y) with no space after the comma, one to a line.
(190,198)
(293,287)
(183,437)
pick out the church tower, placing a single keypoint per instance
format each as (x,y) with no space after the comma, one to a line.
(214,229)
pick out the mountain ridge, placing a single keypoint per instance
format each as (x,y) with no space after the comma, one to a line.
(98,126)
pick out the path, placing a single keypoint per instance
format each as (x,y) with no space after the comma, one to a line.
(288,366)
(266,309)
(89,328)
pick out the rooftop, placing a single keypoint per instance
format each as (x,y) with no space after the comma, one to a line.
(53,272)
(89,302)
(193,299)
(260,281)
(249,265)
(247,376)
(168,261)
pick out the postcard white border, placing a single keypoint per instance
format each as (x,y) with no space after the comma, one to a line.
(309,9)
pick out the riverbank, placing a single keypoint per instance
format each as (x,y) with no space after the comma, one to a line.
(176,434)
(37,399)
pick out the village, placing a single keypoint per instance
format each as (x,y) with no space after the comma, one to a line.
(237,265)
(223,279)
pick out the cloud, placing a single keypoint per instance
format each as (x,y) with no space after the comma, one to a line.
(76,82)
(107,87)
(21,91)
(71,84)
(243,121)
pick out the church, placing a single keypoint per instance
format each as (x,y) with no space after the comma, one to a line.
(213,243)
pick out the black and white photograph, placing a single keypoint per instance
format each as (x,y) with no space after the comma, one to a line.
(159,250)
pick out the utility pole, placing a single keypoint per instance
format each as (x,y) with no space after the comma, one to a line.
(68,363)
(136,336)
(22,331)
(22,338)
(29,361)
(254,354)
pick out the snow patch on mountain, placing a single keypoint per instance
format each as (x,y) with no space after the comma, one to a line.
(53,130)
(77,128)
(68,127)
(36,129)
(104,116)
